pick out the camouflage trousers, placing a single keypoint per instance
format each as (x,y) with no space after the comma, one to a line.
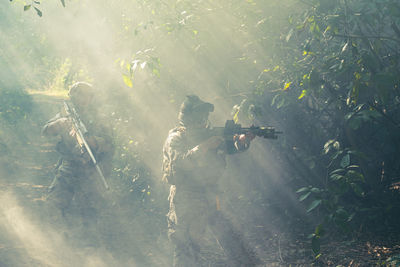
(72,183)
(191,217)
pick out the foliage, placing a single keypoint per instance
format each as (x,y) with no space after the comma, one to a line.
(141,60)
(338,68)
(65,73)
(15,105)
(35,5)
(334,77)
(326,72)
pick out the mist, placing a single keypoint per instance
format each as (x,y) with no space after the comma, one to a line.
(144,58)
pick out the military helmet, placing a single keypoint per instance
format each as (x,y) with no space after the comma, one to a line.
(81,92)
(193,110)
(81,89)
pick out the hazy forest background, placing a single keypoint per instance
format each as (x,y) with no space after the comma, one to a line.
(325,72)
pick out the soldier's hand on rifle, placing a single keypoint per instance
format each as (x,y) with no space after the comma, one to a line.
(242,141)
(72,132)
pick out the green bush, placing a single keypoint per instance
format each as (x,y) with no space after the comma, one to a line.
(15,105)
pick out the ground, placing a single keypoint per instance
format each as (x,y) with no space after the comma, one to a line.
(29,238)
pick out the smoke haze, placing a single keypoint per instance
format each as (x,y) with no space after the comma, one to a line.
(144,57)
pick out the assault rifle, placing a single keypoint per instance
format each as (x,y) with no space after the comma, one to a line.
(231,128)
(81,131)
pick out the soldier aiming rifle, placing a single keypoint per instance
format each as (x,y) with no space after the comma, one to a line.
(194,160)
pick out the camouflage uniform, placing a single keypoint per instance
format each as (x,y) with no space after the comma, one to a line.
(193,199)
(75,177)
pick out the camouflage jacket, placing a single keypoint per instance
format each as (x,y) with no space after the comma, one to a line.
(189,170)
(68,147)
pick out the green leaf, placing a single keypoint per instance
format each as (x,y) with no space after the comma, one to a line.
(274,99)
(38,11)
(327,146)
(327,28)
(351,217)
(336,177)
(331,143)
(127,80)
(280,103)
(355,176)
(315,190)
(287,84)
(316,245)
(289,35)
(342,215)
(303,94)
(303,189)
(344,48)
(337,154)
(133,65)
(63,3)
(355,122)
(314,204)
(345,161)
(27,7)
(303,197)
(156,72)
(319,230)
(348,116)
(337,171)
(353,167)
(353,94)
(357,189)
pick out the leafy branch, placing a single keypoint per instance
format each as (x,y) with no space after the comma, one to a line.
(35,4)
